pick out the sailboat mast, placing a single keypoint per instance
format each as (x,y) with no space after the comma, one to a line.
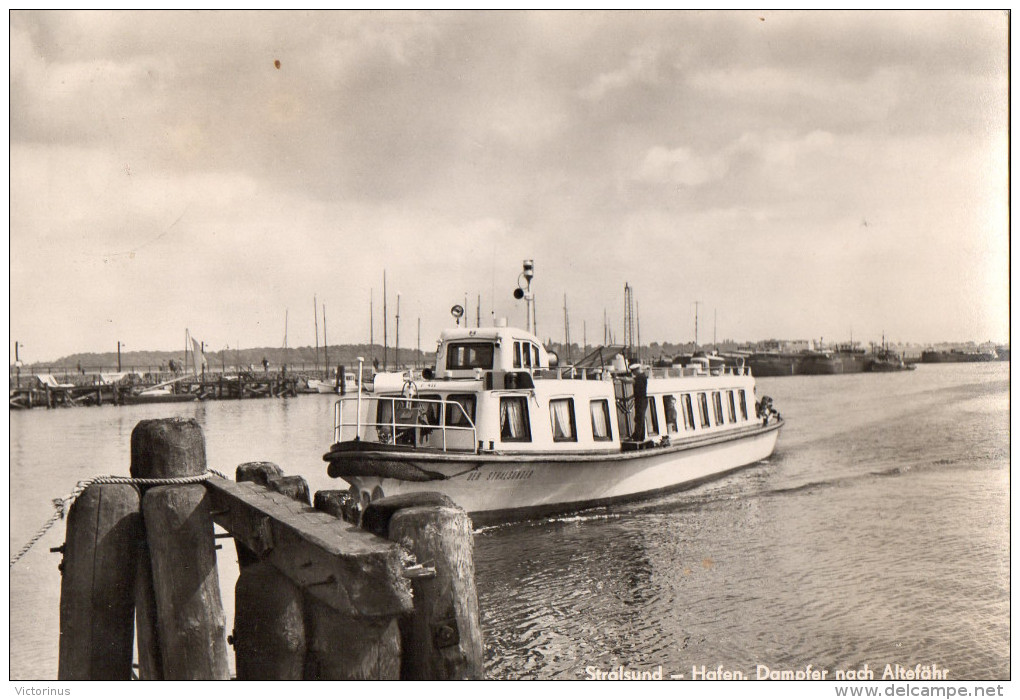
(385,338)
(315,313)
(325,345)
(637,323)
(566,329)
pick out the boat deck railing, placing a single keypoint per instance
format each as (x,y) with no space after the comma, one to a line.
(699,371)
(598,373)
(410,422)
(581,373)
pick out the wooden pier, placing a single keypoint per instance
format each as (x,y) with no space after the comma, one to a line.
(43,391)
(318,597)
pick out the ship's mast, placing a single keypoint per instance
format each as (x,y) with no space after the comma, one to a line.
(696,304)
(628,319)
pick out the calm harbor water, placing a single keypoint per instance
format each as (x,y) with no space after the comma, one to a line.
(878,533)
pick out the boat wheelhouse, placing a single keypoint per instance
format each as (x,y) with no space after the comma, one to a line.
(506,434)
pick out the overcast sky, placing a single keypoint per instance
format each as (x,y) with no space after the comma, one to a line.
(802,175)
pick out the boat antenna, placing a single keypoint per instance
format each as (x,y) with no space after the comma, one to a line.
(385,338)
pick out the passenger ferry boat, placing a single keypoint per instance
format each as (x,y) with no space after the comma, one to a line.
(507,435)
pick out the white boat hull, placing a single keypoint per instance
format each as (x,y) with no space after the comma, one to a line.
(495,487)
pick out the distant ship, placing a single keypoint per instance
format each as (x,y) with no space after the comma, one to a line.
(845,359)
(774,364)
(932,356)
(887,361)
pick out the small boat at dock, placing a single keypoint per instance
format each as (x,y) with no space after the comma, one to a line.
(507,434)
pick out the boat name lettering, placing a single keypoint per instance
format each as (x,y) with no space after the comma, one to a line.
(502,475)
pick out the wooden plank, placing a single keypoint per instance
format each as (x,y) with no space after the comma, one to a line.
(351,571)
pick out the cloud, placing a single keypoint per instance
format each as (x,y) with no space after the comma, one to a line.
(680,166)
(642,67)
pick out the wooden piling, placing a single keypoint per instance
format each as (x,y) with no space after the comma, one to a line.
(269,625)
(150,660)
(344,648)
(104,530)
(269,614)
(292,486)
(258,473)
(341,647)
(442,638)
(334,502)
(179,532)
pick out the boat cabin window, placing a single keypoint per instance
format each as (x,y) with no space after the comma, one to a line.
(743,405)
(717,404)
(470,355)
(525,354)
(458,414)
(651,417)
(689,423)
(514,424)
(703,410)
(561,414)
(669,408)
(600,428)
(732,406)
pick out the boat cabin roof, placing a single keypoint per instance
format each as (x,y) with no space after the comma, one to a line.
(463,350)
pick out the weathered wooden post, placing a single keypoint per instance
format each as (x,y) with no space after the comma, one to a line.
(341,648)
(269,625)
(150,660)
(179,532)
(104,531)
(258,473)
(334,502)
(442,638)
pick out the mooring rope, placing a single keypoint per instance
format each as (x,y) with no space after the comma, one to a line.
(62,505)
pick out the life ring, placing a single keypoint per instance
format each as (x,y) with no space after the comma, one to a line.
(409,390)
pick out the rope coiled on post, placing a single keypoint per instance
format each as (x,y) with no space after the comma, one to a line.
(63,505)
